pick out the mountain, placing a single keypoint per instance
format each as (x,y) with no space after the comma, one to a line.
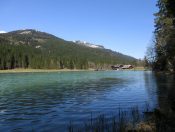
(34,49)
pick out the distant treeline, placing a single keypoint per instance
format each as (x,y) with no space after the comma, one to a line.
(43,51)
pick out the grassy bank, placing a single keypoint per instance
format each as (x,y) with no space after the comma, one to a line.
(22,70)
(39,70)
(139,68)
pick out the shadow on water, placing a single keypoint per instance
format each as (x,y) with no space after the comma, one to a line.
(151,88)
(165,114)
(166,91)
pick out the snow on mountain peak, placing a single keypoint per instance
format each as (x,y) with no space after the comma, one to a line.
(88,44)
(26,32)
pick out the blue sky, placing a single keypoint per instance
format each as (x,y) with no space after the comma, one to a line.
(125,26)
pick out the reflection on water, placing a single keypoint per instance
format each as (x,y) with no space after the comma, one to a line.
(48,101)
(166,91)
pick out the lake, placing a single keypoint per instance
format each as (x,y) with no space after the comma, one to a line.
(49,101)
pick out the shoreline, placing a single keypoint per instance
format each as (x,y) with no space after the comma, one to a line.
(40,70)
(22,70)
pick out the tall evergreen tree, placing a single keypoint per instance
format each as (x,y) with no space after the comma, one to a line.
(165,35)
(26,61)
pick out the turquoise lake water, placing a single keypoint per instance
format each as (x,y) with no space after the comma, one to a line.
(49,101)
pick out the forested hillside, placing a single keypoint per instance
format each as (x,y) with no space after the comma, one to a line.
(38,50)
(165,36)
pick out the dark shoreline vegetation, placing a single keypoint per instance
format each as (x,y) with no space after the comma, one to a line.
(124,120)
(160,57)
(131,120)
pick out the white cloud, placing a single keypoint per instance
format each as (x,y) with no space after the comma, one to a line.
(2,31)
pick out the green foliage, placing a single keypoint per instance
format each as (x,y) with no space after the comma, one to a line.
(165,35)
(38,50)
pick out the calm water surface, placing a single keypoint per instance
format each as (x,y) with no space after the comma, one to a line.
(49,101)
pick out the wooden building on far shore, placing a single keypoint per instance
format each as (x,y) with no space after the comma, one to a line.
(119,66)
(127,67)
(116,67)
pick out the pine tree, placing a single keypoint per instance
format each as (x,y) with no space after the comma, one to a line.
(165,35)
(26,61)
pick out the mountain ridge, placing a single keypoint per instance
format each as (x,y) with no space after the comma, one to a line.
(50,51)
